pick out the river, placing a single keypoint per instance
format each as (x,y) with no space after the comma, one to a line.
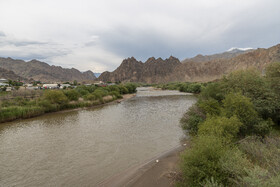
(84,147)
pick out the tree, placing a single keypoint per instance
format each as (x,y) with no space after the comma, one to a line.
(251,84)
(273,75)
(223,127)
(55,97)
(235,104)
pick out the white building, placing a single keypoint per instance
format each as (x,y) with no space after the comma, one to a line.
(3,84)
(64,85)
(3,80)
(50,86)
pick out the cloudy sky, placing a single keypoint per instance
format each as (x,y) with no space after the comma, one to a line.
(97,34)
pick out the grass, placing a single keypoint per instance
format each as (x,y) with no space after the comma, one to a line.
(20,107)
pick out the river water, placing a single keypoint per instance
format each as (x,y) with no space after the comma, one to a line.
(84,147)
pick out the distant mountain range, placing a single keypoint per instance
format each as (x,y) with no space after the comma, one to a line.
(198,69)
(36,70)
(233,52)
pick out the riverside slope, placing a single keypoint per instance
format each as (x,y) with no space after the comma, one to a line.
(171,69)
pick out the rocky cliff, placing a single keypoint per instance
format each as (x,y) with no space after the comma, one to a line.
(37,70)
(131,70)
(171,69)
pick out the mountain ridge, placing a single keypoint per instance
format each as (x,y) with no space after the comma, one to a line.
(44,72)
(171,70)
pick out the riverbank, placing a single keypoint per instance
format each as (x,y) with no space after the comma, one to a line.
(106,102)
(50,101)
(159,171)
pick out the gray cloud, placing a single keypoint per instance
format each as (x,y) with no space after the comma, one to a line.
(2,34)
(99,34)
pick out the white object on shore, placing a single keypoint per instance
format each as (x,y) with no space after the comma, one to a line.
(184,144)
(157,161)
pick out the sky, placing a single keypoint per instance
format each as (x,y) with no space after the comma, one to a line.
(97,35)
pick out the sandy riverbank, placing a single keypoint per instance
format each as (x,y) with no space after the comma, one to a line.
(159,171)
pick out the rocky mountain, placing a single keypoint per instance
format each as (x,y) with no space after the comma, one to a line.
(131,70)
(233,52)
(42,71)
(6,74)
(171,69)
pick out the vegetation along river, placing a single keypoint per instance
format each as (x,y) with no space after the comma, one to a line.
(84,147)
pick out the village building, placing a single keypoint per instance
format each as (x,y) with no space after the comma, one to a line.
(62,86)
(50,86)
(3,84)
(3,80)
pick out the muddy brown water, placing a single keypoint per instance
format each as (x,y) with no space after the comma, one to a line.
(84,147)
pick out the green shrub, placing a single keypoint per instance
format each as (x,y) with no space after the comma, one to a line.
(201,161)
(16,112)
(234,164)
(82,90)
(114,88)
(116,94)
(191,119)
(251,84)
(225,128)
(101,92)
(90,97)
(72,95)
(273,76)
(123,89)
(131,87)
(241,106)
(210,106)
(47,105)
(212,162)
(214,91)
(55,97)
(264,152)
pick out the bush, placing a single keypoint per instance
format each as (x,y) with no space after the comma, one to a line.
(210,106)
(212,162)
(241,106)
(251,84)
(123,89)
(47,105)
(116,94)
(191,119)
(273,76)
(114,88)
(225,128)
(16,112)
(131,87)
(90,97)
(55,97)
(201,161)
(264,153)
(101,91)
(82,90)
(213,91)
(72,95)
